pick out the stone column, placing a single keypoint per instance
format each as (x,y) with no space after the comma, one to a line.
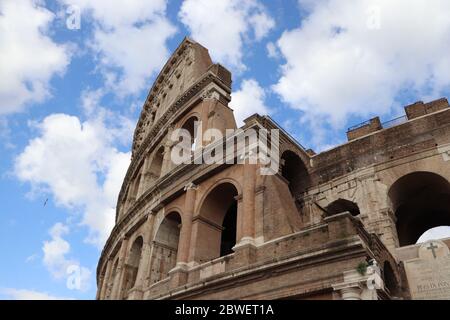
(186,227)
(167,162)
(166,159)
(106,279)
(259,213)
(120,272)
(248,202)
(179,274)
(355,285)
(144,262)
(351,293)
(240,213)
(101,281)
(143,181)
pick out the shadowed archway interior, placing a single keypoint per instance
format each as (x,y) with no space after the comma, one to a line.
(342,205)
(421,201)
(294,171)
(132,265)
(165,247)
(217,229)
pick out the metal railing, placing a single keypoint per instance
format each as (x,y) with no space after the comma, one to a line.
(359,125)
(394,122)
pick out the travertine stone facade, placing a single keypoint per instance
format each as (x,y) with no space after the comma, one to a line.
(223,231)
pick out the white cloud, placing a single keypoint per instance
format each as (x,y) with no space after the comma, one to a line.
(223,25)
(249,99)
(55,251)
(355,57)
(435,234)
(272,50)
(56,260)
(129,40)
(29,58)
(31,258)
(79,165)
(25,294)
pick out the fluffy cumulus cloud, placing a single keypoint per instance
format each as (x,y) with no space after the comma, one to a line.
(356,57)
(78,163)
(57,262)
(29,58)
(129,39)
(223,26)
(249,99)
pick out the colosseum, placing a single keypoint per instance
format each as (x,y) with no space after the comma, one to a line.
(340,224)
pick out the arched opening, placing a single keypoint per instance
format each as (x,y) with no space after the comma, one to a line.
(390,282)
(132,265)
(421,201)
(216,227)
(191,126)
(156,164)
(165,247)
(294,171)
(342,205)
(228,237)
(133,189)
(436,233)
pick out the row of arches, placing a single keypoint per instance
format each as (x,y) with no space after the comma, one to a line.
(152,168)
(216,237)
(420,202)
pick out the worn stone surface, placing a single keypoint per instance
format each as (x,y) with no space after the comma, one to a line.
(429,273)
(224,231)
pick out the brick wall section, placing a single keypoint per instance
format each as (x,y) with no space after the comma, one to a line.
(419,108)
(372,125)
(306,262)
(393,143)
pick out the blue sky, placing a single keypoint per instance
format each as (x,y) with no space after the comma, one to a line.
(70,96)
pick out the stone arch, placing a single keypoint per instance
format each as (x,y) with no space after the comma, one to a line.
(189,124)
(215,225)
(294,170)
(229,180)
(165,247)
(420,201)
(133,261)
(391,282)
(187,117)
(342,205)
(156,164)
(133,187)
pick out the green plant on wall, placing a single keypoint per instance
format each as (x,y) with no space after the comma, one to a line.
(362,268)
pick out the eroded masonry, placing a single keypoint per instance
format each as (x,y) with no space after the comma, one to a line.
(341,224)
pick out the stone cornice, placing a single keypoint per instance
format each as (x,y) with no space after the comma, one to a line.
(190,97)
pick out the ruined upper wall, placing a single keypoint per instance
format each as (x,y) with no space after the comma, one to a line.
(185,67)
(426,126)
(412,111)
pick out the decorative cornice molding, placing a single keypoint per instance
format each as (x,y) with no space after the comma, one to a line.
(158,131)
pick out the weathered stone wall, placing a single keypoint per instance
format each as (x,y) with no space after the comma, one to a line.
(287,244)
